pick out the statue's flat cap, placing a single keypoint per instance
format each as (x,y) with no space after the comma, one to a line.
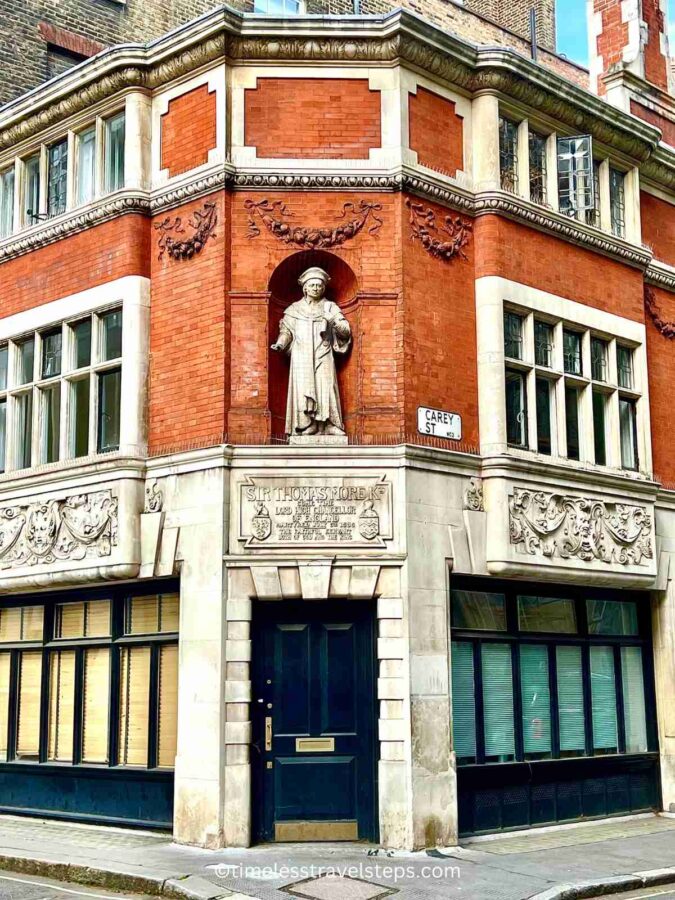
(314,272)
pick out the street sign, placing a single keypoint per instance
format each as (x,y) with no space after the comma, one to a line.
(439,423)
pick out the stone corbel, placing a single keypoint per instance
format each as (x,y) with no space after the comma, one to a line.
(158,544)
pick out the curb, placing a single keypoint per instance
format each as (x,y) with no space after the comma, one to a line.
(178,887)
(586,890)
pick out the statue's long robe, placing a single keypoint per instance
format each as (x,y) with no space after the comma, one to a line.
(313,394)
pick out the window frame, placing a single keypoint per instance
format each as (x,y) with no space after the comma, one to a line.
(516,638)
(116,641)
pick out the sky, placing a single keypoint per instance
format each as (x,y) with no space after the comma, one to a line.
(571,24)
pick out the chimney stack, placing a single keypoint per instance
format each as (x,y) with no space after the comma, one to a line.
(631,35)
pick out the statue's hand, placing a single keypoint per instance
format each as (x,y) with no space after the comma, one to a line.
(276,347)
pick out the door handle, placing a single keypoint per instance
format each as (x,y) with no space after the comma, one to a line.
(268,733)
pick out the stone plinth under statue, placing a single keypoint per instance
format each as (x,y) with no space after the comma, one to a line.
(312,331)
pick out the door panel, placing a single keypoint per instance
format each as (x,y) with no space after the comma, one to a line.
(313,719)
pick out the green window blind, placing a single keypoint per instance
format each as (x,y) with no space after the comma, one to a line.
(498,702)
(603,694)
(536,699)
(632,681)
(463,702)
(570,701)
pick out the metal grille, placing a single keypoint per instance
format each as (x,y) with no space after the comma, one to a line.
(58,178)
(537,144)
(508,155)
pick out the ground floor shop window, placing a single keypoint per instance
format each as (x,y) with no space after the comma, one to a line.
(538,676)
(90,680)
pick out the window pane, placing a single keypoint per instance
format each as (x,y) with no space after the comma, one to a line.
(61,705)
(32,623)
(627,426)
(90,618)
(516,409)
(463,702)
(96,690)
(6,203)
(31,198)
(508,155)
(624,364)
(536,699)
(599,430)
(10,624)
(548,614)
(51,353)
(5,660)
(598,359)
(537,148)
(167,728)
(571,716)
(572,421)
(543,416)
(3,367)
(575,174)
(3,433)
(617,202)
(82,341)
(30,689)
(632,681)
(51,423)
(114,153)
(498,703)
(24,429)
(478,610)
(57,178)
(513,335)
(572,352)
(79,417)
(111,327)
(603,693)
(86,165)
(543,344)
(612,617)
(97,618)
(110,386)
(134,706)
(26,361)
(157,613)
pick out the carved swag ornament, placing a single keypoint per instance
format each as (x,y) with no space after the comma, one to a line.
(579,528)
(667,329)
(202,223)
(442,241)
(77,527)
(273,215)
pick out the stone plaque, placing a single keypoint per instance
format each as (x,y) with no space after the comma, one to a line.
(315,510)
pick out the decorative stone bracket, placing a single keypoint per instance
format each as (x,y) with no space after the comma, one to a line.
(568,527)
(424,228)
(203,223)
(273,215)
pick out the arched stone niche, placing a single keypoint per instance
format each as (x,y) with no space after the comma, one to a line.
(284,290)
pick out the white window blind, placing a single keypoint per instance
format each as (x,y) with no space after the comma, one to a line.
(536,700)
(570,701)
(603,693)
(463,701)
(168,706)
(5,660)
(61,705)
(498,702)
(134,706)
(96,691)
(30,689)
(635,719)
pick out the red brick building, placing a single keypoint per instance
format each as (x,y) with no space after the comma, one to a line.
(455,618)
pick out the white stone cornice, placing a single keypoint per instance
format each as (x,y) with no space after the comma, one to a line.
(661,275)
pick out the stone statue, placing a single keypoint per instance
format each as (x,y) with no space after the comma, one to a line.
(312,330)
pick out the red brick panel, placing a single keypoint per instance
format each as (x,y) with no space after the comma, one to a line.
(92,257)
(661,356)
(656,64)
(542,261)
(312,118)
(189,337)
(613,38)
(436,132)
(658,226)
(667,126)
(189,131)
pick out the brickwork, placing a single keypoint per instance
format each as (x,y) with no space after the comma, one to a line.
(542,261)
(620,41)
(661,356)
(189,333)
(315,120)
(108,251)
(656,64)
(436,132)
(613,38)
(515,15)
(658,226)
(667,126)
(189,131)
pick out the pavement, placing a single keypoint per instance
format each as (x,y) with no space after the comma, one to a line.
(563,863)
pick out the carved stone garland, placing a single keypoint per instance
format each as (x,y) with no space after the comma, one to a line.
(203,223)
(424,228)
(273,214)
(667,329)
(74,528)
(558,525)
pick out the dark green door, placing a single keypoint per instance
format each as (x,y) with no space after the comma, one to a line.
(313,720)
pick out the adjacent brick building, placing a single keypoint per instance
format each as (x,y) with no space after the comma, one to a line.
(445,606)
